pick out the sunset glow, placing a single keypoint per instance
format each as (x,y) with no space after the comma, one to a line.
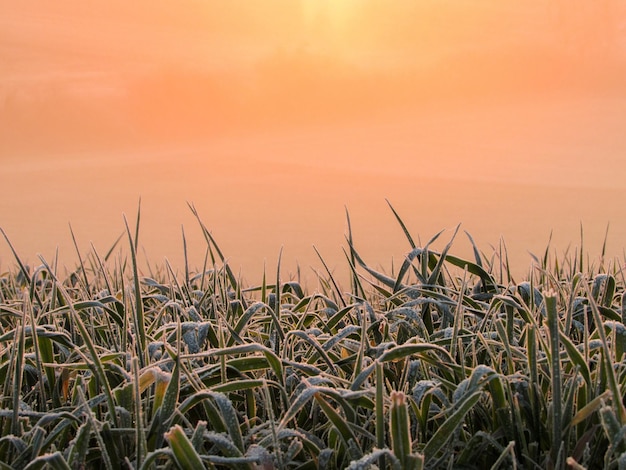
(273,116)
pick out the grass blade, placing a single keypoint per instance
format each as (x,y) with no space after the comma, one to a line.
(185,456)
(447,429)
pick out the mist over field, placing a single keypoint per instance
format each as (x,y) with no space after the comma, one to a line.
(272,116)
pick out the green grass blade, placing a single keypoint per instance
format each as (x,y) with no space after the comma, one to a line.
(340,424)
(80,446)
(400,433)
(557,383)
(402,225)
(608,362)
(185,456)
(55,461)
(380,410)
(138,317)
(80,261)
(450,426)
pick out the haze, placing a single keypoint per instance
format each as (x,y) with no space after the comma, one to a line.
(271,117)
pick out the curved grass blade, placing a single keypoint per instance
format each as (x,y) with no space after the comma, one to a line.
(272,359)
(340,424)
(607,361)
(409,349)
(22,267)
(229,416)
(316,346)
(185,456)
(330,277)
(211,242)
(404,229)
(445,431)
(56,461)
(400,433)
(365,462)
(80,446)
(80,261)
(96,363)
(138,317)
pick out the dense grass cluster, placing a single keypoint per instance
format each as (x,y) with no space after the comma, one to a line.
(443,363)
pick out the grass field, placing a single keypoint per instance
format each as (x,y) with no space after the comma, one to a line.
(441,362)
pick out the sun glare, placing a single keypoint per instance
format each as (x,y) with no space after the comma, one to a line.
(336,13)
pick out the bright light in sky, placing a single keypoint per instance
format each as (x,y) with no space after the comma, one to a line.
(337,12)
(274,114)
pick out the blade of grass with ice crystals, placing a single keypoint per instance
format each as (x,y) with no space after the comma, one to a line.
(138,317)
(80,261)
(365,462)
(185,456)
(106,458)
(576,358)
(22,267)
(140,436)
(338,317)
(507,453)
(79,446)
(475,269)
(557,384)
(582,252)
(501,330)
(46,353)
(477,256)
(614,433)
(170,399)
(607,361)
(404,268)
(435,273)
(227,447)
(504,263)
(380,410)
(297,405)
(136,244)
(603,289)
(96,363)
(229,417)
(272,359)
(404,229)
(186,259)
(386,280)
(450,426)
(342,427)
(239,385)
(18,374)
(618,338)
(56,461)
(400,433)
(586,411)
(358,292)
(38,354)
(331,277)
(244,319)
(211,242)
(363,345)
(357,289)
(458,318)
(316,346)
(408,349)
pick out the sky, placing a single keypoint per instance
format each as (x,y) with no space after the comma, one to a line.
(273,117)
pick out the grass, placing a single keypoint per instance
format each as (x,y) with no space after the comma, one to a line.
(444,363)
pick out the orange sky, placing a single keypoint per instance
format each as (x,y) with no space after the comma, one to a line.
(305,106)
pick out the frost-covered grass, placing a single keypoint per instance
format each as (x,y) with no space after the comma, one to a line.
(444,363)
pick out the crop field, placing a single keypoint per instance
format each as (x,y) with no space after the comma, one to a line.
(441,362)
